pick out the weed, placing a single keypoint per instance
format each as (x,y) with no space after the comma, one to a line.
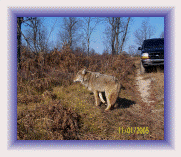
(52,107)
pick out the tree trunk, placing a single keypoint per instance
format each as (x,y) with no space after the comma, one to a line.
(19,22)
(124,36)
(113,36)
(88,47)
(117,33)
(34,35)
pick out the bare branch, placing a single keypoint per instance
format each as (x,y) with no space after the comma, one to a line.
(146,31)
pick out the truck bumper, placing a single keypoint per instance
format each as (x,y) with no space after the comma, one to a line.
(152,62)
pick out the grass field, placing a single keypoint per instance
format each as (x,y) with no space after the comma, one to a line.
(52,107)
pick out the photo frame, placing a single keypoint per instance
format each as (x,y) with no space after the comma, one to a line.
(169,108)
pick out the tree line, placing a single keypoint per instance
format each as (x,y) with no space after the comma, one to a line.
(77,32)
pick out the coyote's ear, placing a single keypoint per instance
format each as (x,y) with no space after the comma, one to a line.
(83,72)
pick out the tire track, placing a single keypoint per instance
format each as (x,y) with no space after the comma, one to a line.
(143,88)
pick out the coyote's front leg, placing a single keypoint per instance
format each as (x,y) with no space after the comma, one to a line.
(96,98)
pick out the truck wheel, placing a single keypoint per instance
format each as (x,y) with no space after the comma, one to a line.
(142,69)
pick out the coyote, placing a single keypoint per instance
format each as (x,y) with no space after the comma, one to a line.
(98,83)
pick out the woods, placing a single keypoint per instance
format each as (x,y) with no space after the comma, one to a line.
(76,32)
(35,34)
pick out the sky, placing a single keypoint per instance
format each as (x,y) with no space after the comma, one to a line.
(98,36)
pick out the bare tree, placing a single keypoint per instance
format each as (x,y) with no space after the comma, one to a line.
(90,24)
(146,31)
(110,34)
(125,32)
(19,22)
(116,33)
(133,50)
(35,34)
(162,35)
(112,22)
(69,32)
(42,41)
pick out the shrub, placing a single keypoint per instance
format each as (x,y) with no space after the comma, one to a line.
(48,122)
(44,71)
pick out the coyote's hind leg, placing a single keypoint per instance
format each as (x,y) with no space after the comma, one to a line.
(111,99)
(102,100)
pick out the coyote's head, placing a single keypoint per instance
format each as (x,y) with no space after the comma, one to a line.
(80,76)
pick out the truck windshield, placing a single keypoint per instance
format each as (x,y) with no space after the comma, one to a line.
(153,43)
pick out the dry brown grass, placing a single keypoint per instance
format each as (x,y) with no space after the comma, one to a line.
(153,113)
(48,122)
(157,86)
(50,106)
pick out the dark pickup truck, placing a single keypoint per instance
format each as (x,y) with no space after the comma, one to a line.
(152,53)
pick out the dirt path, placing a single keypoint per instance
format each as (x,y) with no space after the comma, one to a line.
(143,87)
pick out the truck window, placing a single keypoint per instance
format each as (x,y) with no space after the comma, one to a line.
(153,43)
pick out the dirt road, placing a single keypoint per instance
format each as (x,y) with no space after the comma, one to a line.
(144,87)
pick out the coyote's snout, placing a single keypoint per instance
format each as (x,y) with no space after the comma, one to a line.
(98,83)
